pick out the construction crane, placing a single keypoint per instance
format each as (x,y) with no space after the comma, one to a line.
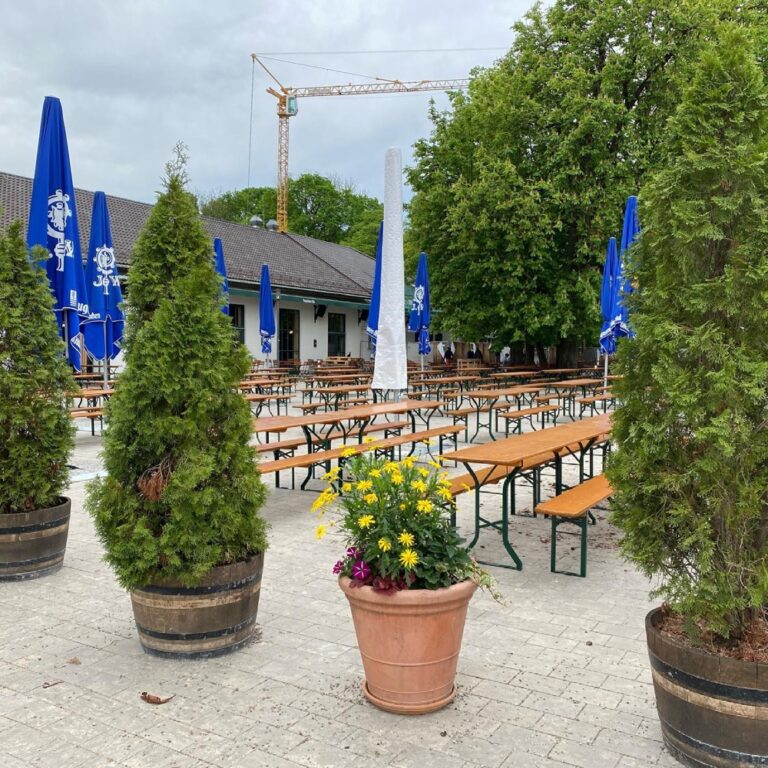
(288,106)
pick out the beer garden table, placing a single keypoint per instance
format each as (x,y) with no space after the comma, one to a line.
(512,453)
(487,398)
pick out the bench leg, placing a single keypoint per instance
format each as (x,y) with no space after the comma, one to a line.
(583,525)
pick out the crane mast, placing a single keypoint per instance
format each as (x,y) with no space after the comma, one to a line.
(287,106)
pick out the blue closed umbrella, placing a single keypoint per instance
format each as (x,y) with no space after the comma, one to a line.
(221,269)
(609,287)
(266,311)
(372,328)
(53,225)
(421,313)
(629,233)
(103,329)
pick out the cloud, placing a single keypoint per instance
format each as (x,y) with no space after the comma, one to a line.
(135,77)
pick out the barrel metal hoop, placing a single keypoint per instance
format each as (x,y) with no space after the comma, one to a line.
(35,526)
(207,590)
(196,635)
(738,758)
(710,687)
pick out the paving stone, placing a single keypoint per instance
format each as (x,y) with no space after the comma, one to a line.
(625,744)
(566,727)
(584,755)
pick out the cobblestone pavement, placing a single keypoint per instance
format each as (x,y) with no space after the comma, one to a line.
(556,677)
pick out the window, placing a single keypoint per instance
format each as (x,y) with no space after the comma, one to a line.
(337,334)
(237,316)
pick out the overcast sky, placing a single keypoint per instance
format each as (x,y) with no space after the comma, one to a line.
(135,77)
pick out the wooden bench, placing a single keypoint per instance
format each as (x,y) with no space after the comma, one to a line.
(572,506)
(592,402)
(91,412)
(461,416)
(284,448)
(544,411)
(311,460)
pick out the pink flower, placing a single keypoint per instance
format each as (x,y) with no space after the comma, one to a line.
(339,565)
(361,570)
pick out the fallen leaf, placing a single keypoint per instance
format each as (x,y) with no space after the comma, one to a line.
(50,683)
(150,698)
(74,660)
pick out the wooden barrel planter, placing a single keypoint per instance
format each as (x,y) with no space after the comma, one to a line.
(32,543)
(713,709)
(214,618)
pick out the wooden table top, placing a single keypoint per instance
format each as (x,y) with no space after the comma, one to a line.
(282,423)
(491,394)
(575,383)
(514,450)
(91,392)
(338,390)
(451,379)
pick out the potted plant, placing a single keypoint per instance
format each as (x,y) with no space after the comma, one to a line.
(37,433)
(691,471)
(178,508)
(407,576)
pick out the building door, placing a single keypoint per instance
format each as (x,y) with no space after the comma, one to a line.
(288,344)
(337,335)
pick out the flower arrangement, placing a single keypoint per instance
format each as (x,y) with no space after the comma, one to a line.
(398,533)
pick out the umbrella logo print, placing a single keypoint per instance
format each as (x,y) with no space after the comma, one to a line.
(418,298)
(105,263)
(58,214)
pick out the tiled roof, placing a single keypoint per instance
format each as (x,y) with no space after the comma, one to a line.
(296,263)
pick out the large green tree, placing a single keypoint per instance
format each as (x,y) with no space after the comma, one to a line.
(317,206)
(523,180)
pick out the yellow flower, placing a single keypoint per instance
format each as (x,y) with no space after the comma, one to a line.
(397,479)
(385,544)
(402,507)
(409,461)
(408,558)
(391,466)
(332,474)
(325,498)
(320,531)
(444,493)
(436,464)
(424,472)
(419,485)
(365,521)
(374,473)
(364,485)
(424,506)
(427,441)
(406,539)
(346,487)
(370,498)
(368,439)
(347,452)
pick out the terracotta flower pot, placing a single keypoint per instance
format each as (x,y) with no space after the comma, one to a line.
(409,642)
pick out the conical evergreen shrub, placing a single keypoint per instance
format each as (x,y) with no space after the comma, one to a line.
(182,491)
(36,433)
(691,470)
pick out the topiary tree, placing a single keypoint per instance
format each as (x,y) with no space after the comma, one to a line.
(183,490)
(37,433)
(691,470)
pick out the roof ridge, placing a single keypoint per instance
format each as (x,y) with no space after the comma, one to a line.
(325,261)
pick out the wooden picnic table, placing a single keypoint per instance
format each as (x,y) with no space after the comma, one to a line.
(512,454)
(337,394)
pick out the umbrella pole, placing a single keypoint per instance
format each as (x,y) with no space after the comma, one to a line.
(605,374)
(106,359)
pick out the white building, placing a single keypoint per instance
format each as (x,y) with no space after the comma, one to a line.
(321,290)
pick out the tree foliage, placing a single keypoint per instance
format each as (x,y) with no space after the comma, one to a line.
(317,207)
(691,471)
(522,182)
(37,433)
(183,489)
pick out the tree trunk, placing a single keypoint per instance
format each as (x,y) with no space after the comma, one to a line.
(567,353)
